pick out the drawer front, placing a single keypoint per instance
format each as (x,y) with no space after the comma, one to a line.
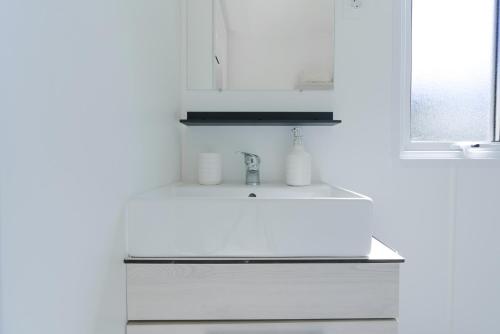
(301,327)
(262,291)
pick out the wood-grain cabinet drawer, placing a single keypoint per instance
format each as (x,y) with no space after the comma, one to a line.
(262,291)
(300,327)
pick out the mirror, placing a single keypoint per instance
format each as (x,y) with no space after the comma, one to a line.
(259,44)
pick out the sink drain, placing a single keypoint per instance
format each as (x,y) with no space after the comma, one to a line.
(252,195)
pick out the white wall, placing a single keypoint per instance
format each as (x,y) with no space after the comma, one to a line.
(477,265)
(428,210)
(89,91)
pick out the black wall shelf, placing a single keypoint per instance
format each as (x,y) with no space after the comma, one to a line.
(210,118)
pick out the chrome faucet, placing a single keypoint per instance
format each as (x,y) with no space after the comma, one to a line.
(252,162)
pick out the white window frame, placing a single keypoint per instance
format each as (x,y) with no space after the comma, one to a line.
(414,149)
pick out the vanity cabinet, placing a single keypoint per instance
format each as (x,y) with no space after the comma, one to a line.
(264,295)
(264,327)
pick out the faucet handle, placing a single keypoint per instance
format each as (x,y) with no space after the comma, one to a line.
(251,160)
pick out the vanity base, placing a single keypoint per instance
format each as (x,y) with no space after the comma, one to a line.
(245,327)
(262,291)
(265,295)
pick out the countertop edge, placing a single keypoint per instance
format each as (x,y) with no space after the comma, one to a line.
(380,253)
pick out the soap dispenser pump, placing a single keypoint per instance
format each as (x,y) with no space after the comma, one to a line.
(298,162)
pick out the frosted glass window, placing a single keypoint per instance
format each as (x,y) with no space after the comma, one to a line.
(453,66)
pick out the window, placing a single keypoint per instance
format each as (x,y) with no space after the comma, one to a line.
(452,75)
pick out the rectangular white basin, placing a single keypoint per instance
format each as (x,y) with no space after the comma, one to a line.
(184,220)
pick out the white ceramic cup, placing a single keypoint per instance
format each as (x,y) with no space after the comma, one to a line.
(209,168)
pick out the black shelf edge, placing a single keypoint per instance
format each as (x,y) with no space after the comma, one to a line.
(201,118)
(256,261)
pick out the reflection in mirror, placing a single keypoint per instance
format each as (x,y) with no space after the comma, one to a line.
(260,44)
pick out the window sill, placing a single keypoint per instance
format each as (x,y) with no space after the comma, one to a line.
(463,152)
(431,155)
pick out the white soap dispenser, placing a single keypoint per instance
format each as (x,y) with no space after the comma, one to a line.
(298,162)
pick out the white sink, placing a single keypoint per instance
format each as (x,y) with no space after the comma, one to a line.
(184,220)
